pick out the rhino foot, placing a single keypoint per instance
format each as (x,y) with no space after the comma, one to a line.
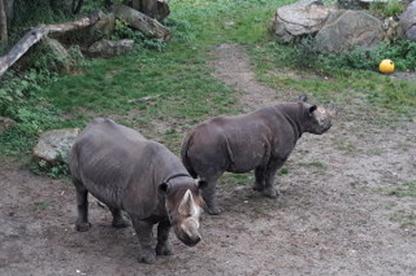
(215,210)
(163,249)
(270,193)
(82,226)
(147,258)
(258,188)
(120,223)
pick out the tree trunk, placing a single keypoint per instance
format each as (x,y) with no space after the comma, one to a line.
(147,25)
(3,22)
(36,34)
(158,9)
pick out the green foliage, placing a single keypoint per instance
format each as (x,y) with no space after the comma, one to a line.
(405,189)
(402,52)
(35,12)
(122,31)
(179,81)
(305,55)
(42,167)
(20,100)
(391,8)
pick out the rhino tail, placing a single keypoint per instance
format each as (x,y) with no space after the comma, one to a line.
(184,155)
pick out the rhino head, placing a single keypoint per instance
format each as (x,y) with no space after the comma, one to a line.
(184,205)
(316,120)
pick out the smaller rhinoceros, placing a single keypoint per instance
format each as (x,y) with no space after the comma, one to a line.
(261,140)
(127,172)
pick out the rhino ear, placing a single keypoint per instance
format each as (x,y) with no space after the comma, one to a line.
(303,98)
(164,187)
(201,183)
(312,109)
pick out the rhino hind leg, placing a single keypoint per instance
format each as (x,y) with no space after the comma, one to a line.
(144,231)
(163,246)
(119,221)
(82,224)
(209,194)
(259,184)
(270,174)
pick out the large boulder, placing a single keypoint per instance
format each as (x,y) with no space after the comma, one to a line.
(349,29)
(54,145)
(408,21)
(305,17)
(107,48)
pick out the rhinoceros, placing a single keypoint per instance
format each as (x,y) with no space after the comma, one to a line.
(125,171)
(261,140)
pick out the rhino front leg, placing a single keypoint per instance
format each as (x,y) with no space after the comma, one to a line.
(145,235)
(270,174)
(209,194)
(82,224)
(118,219)
(163,246)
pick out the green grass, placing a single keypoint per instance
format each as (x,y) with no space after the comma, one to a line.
(407,189)
(178,79)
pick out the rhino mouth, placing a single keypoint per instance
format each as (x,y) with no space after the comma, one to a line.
(188,241)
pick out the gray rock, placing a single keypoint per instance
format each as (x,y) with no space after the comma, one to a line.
(108,48)
(348,30)
(408,21)
(6,123)
(301,18)
(60,59)
(54,145)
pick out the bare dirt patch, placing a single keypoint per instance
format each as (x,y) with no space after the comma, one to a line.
(232,66)
(333,216)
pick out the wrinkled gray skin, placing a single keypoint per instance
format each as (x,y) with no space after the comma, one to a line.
(127,172)
(261,140)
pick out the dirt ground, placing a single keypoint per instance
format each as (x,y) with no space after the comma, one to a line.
(333,216)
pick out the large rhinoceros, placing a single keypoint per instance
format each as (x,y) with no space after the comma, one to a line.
(261,140)
(127,172)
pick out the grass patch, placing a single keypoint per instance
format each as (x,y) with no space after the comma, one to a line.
(238,179)
(335,82)
(406,219)
(177,78)
(407,189)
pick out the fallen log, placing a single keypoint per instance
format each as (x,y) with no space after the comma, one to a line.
(34,35)
(148,26)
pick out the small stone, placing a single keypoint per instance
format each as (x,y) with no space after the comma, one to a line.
(107,48)
(6,123)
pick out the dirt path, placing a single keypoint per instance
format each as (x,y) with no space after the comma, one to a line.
(333,216)
(232,66)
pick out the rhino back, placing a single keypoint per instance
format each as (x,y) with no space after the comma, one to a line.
(115,164)
(244,141)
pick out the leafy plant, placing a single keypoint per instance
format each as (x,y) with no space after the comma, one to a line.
(42,167)
(391,8)
(123,31)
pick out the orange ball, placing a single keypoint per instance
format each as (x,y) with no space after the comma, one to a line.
(386,66)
